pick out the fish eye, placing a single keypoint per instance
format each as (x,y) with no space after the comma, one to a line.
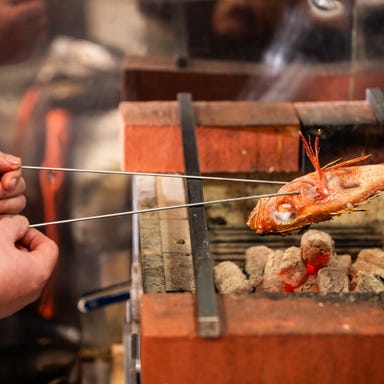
(285,213)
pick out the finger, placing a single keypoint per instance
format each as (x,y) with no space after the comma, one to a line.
(41,247)
(13,228)
(9,162)
(20,247)
(13,205)
(12,183)
(36,240)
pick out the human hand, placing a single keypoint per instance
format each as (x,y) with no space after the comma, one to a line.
(27,259)
(12,185)
(23,29)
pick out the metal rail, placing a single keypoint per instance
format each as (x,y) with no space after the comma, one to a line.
(207,309)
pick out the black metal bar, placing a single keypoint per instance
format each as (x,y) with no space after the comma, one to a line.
(207,311)
(180,34)
(375,98)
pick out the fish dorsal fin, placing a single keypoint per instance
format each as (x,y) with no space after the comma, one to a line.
(313,156)
(336,164)
(332,163)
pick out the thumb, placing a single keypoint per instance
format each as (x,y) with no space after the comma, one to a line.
(13,228)
(9,162)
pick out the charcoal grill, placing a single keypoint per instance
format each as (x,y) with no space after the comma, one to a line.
(180,330)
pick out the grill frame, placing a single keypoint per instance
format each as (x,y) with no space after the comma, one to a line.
(265,336)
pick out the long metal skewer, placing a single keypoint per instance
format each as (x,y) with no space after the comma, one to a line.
(179,176)
(160,209)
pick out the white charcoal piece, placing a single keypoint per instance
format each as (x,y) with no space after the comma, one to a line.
(255,260)
(229,278)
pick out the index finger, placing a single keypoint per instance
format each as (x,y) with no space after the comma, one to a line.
(10,180)
(9,162)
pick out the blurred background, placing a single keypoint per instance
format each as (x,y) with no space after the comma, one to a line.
(66,65)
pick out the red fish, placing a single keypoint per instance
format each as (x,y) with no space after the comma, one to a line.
(327,192)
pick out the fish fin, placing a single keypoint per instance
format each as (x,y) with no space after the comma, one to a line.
(369,198)
(333,164)
(376,194)
(345,210)
(313,155)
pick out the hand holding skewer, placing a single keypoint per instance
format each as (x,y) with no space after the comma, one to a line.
(27,257)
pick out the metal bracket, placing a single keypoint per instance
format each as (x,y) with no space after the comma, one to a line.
(207,311)
(181,34)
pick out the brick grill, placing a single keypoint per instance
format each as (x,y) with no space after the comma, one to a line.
(264,338)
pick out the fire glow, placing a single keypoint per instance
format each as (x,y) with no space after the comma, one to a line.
(312,267)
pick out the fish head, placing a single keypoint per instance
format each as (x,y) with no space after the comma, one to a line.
(286,214)
(274,216)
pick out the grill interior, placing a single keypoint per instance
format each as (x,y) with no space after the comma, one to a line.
(230,243)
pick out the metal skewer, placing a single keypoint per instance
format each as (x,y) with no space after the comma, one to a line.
(134,212)
(179,176)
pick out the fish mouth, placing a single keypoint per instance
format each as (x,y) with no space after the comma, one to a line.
(282,230)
